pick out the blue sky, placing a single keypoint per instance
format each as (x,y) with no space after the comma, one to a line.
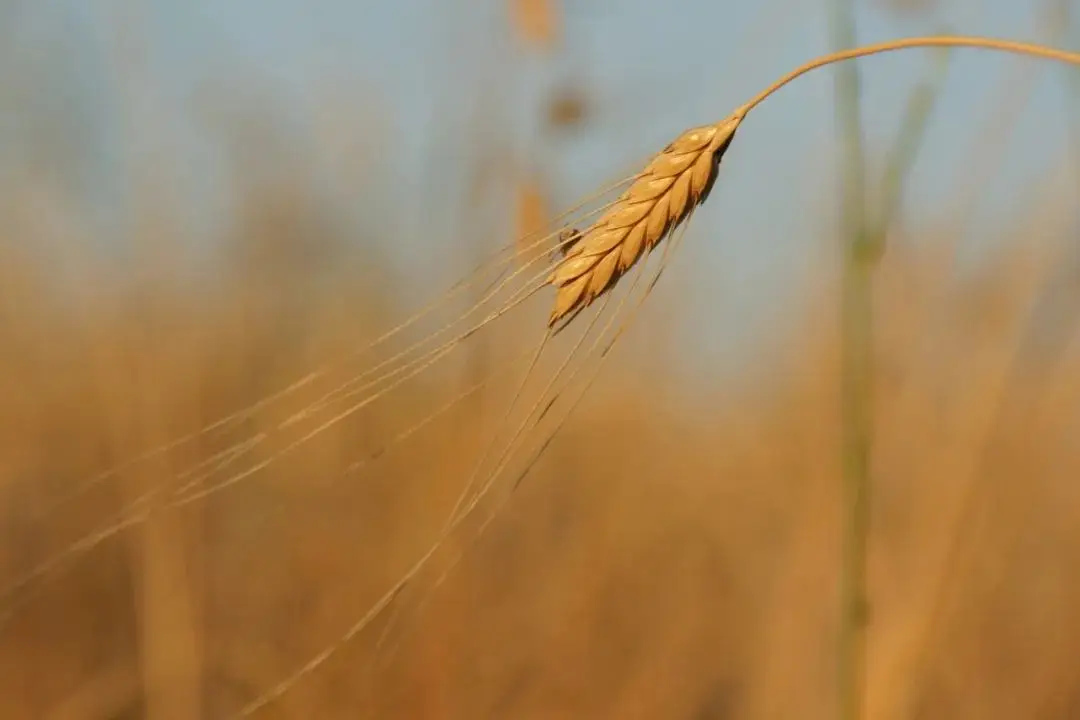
(400,85)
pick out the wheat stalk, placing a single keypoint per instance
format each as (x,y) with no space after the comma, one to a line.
(680,177)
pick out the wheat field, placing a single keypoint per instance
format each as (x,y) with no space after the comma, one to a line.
(209,479)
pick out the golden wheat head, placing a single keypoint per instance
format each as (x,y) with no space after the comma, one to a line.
(674,182)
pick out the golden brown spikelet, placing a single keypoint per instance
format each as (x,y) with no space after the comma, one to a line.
(675,181)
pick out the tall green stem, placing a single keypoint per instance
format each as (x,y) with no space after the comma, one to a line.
(856,369)
(856,329)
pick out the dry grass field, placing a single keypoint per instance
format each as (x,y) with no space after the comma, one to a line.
(659,562)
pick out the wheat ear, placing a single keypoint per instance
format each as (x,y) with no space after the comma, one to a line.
(671,185)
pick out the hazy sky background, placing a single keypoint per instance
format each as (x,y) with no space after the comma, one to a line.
(383,104)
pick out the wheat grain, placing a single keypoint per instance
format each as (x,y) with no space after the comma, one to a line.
(675,181)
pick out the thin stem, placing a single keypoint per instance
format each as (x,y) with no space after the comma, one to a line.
(856,378)
(849,124)
(1009,46)
(857,338)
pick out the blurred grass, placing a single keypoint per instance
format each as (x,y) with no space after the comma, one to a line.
(660,563)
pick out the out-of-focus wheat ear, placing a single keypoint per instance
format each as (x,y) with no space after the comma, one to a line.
(677,179)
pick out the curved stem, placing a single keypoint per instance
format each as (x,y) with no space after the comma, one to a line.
(1010,46)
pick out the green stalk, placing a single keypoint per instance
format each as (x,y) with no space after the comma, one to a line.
(856,329)
(864,247)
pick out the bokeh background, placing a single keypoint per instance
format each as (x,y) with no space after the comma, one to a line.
(201,202)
